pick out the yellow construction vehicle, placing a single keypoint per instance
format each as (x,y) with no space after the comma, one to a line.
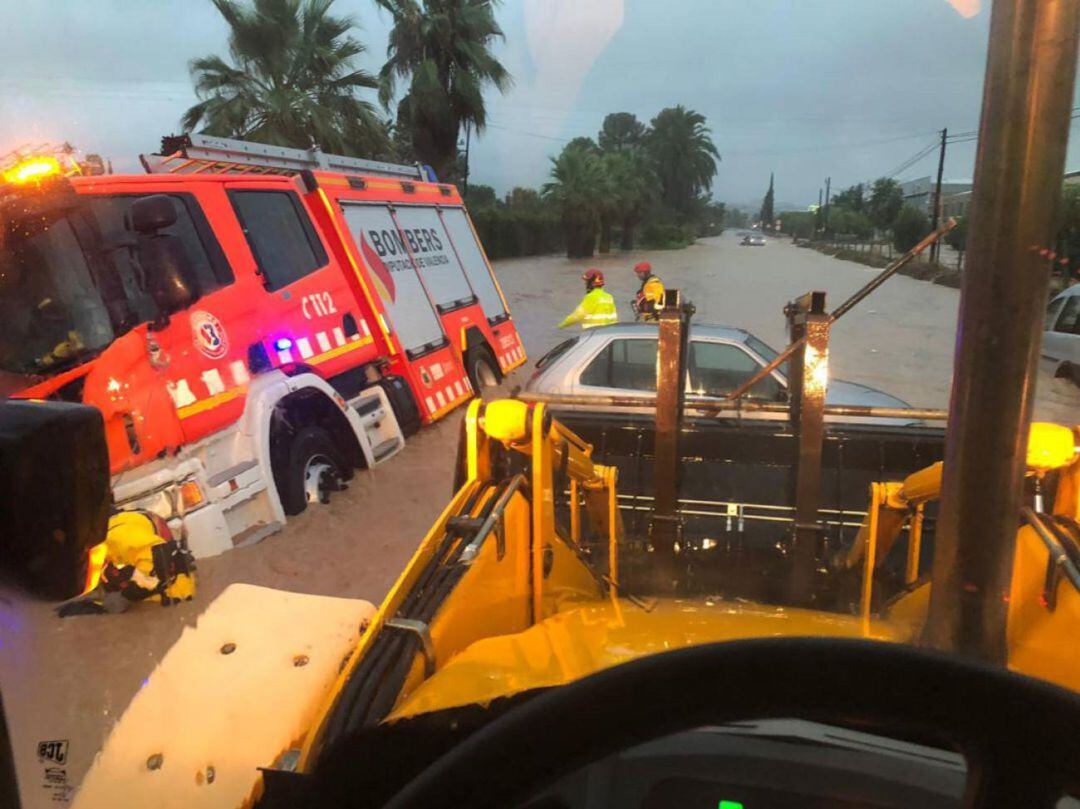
(662,611)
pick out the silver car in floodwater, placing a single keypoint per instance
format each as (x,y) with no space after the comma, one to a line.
(1061,339)
(620,361)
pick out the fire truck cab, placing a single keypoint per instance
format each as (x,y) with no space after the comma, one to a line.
(253,322)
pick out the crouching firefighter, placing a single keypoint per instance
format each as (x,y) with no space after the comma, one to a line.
(650,295)
(597,308)
(141,562)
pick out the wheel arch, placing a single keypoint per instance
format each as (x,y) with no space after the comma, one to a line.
(269,393)
(472,337)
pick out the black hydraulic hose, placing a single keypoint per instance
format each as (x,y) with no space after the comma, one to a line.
(390,659)
(356,693)
(423,608)
(448,555)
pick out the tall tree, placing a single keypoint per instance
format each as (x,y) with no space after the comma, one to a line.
(621,130)
(584,142)
(629,189)
(481,196)
(909,228)
(767,215)
(684,156)
(577,189)
(292,81)
(886,200)
(443,49)
(1068,229)
(851,198)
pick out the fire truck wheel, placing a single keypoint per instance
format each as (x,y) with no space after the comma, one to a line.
(482,369)
(312,468)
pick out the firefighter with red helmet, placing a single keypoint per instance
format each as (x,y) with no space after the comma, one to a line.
(650,295)
(597,308)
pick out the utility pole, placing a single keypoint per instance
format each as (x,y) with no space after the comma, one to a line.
(934,248)
(828,193)
(465,179)
(1026,108)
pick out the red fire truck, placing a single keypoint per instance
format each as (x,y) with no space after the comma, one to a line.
(253,322)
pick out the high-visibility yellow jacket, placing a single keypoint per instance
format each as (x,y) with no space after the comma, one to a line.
(597,308)
(649,298)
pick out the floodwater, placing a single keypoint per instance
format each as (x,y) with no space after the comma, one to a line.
(71,679)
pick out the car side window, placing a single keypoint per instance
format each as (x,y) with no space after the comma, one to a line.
(717,369)
(628,364)
(1052,312)
(280,234)
(1069,320)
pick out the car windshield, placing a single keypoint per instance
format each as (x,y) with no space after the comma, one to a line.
(375,374)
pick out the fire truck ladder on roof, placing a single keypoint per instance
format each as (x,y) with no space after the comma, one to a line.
(204,154)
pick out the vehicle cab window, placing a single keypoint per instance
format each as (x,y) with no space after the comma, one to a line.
(1069,320)
(717,369)
(205,270)
(280,235)
(628,364)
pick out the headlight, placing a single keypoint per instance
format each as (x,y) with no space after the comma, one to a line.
(173,501)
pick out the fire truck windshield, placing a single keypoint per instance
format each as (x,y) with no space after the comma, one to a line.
(50,305)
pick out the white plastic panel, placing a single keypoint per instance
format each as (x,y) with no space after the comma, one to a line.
(235,690)
(433,255)
(384,252)
(472,260)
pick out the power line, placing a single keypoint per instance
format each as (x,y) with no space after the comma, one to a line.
(528,134)
(915,158)
(827,147)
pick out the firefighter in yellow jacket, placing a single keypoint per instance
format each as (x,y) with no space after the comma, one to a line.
(597,308)
(650,297)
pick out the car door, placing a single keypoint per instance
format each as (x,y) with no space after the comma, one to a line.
(621,366)
(1062,342)
(1051,347)
(717,367)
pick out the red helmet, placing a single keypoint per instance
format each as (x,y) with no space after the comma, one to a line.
(643,268)
(593,278)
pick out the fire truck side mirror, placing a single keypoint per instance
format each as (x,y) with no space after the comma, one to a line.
(153,213)
(162,256)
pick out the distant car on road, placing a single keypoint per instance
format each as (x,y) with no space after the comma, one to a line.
(620,361)
(753,240)
(1061,339)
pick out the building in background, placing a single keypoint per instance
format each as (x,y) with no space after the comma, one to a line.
(920,193)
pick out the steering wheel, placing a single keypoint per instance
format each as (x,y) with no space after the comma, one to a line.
(1020,736)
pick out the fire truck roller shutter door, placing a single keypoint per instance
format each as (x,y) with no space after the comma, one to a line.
(472,261)
(384,251)
(434,256)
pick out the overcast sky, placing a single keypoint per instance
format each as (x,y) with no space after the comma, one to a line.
(804,88)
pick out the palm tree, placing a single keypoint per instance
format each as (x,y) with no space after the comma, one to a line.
(630,187)
(577,190)
(683,155)
(293,81)
(621,130)
(442,47)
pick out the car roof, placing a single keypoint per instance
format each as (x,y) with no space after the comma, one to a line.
(643,329)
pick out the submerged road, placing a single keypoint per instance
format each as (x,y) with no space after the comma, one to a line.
(71,679)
